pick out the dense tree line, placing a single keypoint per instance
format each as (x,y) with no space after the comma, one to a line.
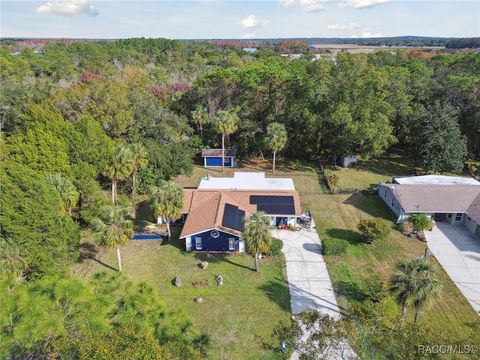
(359,104)
(88,125)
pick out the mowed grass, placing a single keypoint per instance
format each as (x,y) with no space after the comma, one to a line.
(337,216)
(370,173)
(239,316)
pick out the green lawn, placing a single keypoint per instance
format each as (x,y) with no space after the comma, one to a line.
(240,315)
(370,173)
(336,217)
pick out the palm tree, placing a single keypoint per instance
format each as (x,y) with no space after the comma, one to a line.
(140,161)
(167,201)
(226,123)
(65,188)
(257,235)
(112,229)
(276,139)
(414,282)
(200,117)
(120,168)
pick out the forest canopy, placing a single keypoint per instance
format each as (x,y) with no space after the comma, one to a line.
(83,120)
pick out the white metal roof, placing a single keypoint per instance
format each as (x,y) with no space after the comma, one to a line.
(246,181)
(436,180)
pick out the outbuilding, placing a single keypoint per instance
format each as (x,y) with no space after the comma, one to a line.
(213,157)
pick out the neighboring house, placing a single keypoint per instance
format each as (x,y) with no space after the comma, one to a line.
(213,157)
(455,200)
(215,212)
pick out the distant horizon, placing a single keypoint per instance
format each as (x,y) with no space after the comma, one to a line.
(239,39)
(233,19)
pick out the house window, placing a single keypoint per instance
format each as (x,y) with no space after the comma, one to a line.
(231,244)
(393,202)
(385,193)
(198,243)
(458,217)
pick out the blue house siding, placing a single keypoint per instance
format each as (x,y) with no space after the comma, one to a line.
(217,161)
(214,244)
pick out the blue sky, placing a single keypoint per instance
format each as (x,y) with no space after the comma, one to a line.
(239,19)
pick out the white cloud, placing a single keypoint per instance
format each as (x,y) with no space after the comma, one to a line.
(362,4)
(248,36)
(312,5)
(251,21)
(306,5)
(367,34)
(343,27)
(68,8)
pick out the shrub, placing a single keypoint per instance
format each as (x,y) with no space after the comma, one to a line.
(421,222)
(332,180)
(406,227)
(276,247)
(373,229)
(335,246)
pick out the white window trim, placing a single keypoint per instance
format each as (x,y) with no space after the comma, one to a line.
(198,240)
(231,244)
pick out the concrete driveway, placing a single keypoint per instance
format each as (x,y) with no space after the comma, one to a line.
(459,253)
(309,283)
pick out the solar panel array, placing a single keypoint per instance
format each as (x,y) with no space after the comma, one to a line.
(275,205)
(233,217)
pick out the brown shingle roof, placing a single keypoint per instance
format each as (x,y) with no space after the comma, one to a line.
(205,207)
(435,198)
(218,152)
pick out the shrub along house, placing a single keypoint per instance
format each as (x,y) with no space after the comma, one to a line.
(213,157)
(215,212)
(454,200)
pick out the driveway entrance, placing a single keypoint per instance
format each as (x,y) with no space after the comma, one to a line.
(458,252)
(309,283)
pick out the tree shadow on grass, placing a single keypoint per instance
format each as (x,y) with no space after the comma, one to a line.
(220,257)
(350,290)
(143,216)
(87,251)
(353,237)
(105,264)
(370,204)
(278,292)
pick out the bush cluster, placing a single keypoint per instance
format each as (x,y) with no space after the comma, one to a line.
(373,229)
(276,248)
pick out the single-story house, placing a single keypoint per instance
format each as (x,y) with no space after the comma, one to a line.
(216,210)
(213,157)
(455,200)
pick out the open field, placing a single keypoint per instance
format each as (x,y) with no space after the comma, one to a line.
(244,311)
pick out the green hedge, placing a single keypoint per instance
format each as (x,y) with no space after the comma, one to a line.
(276,247)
